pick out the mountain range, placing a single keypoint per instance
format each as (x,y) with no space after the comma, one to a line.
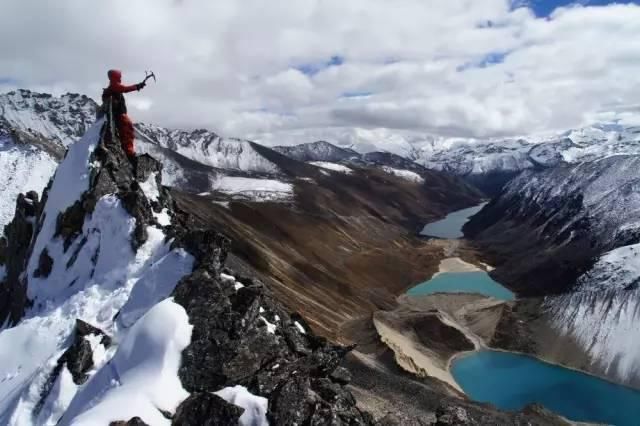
(291,243)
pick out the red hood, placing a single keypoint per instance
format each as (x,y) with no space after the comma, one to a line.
(115,76)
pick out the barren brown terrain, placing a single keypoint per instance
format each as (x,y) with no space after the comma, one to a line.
(345,247)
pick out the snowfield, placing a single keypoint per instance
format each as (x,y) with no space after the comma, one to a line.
(404,174)
(259,190)
(332,166)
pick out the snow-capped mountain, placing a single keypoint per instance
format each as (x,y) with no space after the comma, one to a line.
(208,148)
(36,129)
(571,233)
(317,151)
(488,164)
(115,309)
(62,120)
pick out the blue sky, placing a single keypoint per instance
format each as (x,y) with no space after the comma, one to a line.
(544,8)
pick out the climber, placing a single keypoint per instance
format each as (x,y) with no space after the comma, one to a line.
(115,94)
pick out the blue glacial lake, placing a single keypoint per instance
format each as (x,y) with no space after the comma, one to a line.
(463,282)
(511,381)
(451,226)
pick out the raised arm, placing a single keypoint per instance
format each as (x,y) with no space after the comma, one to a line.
(121,88)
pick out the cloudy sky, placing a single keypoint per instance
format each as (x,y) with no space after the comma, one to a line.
(295,70)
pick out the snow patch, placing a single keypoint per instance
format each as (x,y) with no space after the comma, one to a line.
(271,328)
(300,327)
(163,217)
(254,189)
(166,268)
(150,187)
(227,278)
(255,407)
(332,166)
(142,378)
(404,174)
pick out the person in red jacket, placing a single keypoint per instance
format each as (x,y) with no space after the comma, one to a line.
(115,94)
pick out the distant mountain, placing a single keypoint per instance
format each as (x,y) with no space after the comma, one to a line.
(487,164)
(317,151)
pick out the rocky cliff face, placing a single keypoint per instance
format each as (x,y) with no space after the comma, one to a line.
(571,234)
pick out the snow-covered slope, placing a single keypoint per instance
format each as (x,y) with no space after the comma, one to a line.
(24,168)
(574,230)
(110,300)
(60,119)
(208,148)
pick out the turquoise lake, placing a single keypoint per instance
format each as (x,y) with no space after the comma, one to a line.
(451,226)
(510,382)
(463,282)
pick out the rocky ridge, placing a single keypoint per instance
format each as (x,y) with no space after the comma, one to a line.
(240,335)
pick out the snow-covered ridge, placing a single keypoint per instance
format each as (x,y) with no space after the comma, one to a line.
(94,274)
(487,163)
(605,193)
(317,151)
(114,297)
(208,148)
(61,119)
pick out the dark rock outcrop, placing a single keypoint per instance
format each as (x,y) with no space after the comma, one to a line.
(206,409)
(78,359)
(134,421)
(15,249)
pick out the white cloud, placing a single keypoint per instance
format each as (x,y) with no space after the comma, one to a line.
(230,65)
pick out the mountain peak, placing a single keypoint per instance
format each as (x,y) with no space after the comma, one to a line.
(114,296)
(316,151)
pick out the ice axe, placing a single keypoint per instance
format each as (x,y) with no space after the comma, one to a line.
(148,75)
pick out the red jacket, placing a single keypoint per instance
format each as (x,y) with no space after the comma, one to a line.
(115,83)
(115,90)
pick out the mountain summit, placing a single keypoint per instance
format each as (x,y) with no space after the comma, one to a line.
(116,308)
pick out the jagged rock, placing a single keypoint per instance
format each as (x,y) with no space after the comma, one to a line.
(78,359)
(450,415)
(206,409)
(341,375)
(135,421)
(79,356)
(401,419)
(45,264)
(245,338)
(16,251)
